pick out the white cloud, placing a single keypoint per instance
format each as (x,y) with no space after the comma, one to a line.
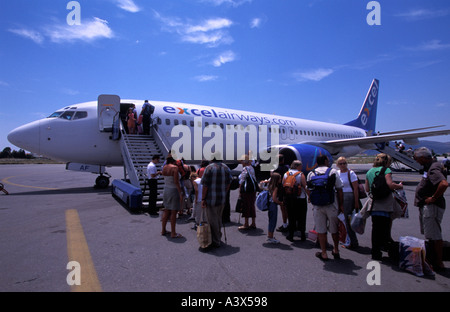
(314,75)
(203,78)
(87,31)
(420,14)
(432,45)
(211,32)
(209,25)
(128,5)
(234,3)
(225,57)
(255,23)
(30,34)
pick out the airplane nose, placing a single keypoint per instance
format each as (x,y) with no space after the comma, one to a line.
(26,137)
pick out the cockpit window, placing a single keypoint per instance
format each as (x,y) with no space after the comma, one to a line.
(55,114)
(80,115)
(68,115)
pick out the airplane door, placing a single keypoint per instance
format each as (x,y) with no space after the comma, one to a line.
(107,110)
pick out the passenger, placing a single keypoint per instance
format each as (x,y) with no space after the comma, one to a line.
(296,204)
(381,209)
(248,194)
(281,170)
(140,129)
(173,197)
(276,199)
(215,183)
(153,175)
(131,121)
(198,213)
(147,112)
(203,165)
(431,202)
(351,198)
(327,216)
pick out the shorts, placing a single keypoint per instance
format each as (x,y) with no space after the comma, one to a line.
(325,217)
(430,217)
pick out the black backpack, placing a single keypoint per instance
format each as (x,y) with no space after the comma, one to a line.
(379,188)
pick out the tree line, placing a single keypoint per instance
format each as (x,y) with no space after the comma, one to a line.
(7,152)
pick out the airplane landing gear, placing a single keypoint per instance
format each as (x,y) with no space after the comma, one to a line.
(102,181)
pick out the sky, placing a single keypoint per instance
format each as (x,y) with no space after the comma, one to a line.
(312,59)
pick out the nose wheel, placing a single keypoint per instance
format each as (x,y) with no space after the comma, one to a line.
(102,181)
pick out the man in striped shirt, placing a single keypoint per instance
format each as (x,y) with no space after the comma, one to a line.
(215,181)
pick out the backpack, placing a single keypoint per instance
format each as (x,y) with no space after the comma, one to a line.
(262,200)
(185,174)
(322,188)
(290,185)
(379,188)
(249,185)
(148,110)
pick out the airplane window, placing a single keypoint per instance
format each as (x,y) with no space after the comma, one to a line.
(191,123)
(158,121)
(67,115)
(80,115)
(176,122)
(55,114)
(168,122)
(184,122)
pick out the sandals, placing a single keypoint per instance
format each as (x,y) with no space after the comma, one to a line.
(336,255)
(178,235)
(319,255)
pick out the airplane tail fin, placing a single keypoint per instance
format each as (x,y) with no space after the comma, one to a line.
(368,115)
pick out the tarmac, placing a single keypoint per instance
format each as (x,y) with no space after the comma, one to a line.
(53,216)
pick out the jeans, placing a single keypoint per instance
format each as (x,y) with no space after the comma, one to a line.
(273,216)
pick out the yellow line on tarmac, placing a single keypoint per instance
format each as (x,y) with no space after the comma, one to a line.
(78,250)
(5,180)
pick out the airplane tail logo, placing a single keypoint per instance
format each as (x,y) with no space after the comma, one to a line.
(368,115)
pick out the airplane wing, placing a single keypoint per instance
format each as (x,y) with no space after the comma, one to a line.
(411,130)
(367,142)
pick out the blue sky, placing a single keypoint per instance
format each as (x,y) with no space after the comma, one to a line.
(312,59)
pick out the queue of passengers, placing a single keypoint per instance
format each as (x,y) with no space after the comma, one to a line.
(211,186)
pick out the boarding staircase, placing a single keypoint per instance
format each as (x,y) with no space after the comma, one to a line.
(399,157)
(137,152)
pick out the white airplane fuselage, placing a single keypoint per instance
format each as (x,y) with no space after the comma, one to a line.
(79,140)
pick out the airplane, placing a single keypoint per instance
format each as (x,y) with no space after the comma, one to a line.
(88,134)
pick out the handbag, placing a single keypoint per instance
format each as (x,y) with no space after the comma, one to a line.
(361,188)
(239,205)
(204,235)
(358,223)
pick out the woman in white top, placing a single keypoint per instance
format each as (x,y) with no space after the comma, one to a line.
(351,200)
